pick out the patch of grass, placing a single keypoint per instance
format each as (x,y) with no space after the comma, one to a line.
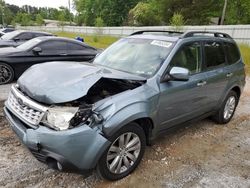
(95,41)
(245,52)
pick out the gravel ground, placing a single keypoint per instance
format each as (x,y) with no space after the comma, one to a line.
(203,154)
(4,91)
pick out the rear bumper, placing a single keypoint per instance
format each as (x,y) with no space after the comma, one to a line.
(77,150)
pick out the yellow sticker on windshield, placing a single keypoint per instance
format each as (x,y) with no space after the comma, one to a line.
(161,43)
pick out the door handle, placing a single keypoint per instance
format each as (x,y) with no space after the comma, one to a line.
(229,75)
(63,54)
(201,83)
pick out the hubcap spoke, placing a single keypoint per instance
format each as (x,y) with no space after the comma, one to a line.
(132,157)
(128,138)
(114,164)
(135,147)
(114,149)
(126,162)
(133,142)
(111,156)
(121,141)
(118,168)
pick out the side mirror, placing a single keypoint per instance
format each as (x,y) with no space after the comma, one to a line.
(177,74)
(37,50)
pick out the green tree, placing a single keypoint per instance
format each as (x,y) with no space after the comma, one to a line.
(113,12)
(61,18)
(177,21)
(99,22)
(194,12)
(39,19)
(145,14)
(26,19)
(6,15)
(23,18)
(238,12)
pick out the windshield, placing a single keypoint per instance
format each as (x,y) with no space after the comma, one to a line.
(10,35)
(29,44)
(142,57)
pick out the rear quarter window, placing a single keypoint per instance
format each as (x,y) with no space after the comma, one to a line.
(233,54)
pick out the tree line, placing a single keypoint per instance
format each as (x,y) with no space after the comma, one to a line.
(131,12)
(29,15)
(160,12)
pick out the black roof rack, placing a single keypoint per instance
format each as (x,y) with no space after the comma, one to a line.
(216,34)
(156,31)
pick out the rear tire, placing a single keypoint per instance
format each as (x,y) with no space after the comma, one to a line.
(124,154)
(227,109)
(6,73)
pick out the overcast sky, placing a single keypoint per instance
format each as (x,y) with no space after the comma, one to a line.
(39,3)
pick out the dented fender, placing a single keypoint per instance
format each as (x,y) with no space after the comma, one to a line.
(127,107)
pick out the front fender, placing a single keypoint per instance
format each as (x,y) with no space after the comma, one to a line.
(126,115)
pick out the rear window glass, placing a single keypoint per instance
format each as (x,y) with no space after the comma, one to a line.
(233,54)
(214,54)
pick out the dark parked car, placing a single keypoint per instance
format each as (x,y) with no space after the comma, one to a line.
(80,117)
(18,37)
(14,61)
(6,30)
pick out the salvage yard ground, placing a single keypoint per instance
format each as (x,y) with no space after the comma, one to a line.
(203,154)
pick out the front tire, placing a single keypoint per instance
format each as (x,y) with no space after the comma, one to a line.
(227,110)
(124,154)
(6,73)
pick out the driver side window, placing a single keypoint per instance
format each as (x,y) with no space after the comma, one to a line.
(189,57)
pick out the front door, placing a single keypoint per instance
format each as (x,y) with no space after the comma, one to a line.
(181,101)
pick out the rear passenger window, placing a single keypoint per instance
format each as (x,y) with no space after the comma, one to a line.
(233,54)
(189,57)
(214,54)
(25,36)
(53,45)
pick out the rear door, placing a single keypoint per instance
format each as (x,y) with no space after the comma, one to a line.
(217,74)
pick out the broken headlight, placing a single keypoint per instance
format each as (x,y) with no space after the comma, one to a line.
(60,117)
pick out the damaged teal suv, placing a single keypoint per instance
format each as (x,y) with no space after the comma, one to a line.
(80,116)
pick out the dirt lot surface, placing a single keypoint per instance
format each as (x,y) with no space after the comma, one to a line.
(4,91)
(203,154)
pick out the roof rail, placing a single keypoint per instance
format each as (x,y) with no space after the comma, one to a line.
(216,34)
(155,31)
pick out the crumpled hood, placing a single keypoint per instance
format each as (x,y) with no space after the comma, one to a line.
(60,82)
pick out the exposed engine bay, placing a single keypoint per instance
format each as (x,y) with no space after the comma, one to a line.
(102,89)
(84,114)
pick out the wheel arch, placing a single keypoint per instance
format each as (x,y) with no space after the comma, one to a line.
(142,119)
(237,90)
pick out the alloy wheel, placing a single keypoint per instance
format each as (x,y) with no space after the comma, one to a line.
(5,74)
(123,153)
(229,107)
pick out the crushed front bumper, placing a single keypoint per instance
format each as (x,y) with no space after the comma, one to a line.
(76,150)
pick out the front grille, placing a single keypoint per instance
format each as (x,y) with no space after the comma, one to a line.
(27,110)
